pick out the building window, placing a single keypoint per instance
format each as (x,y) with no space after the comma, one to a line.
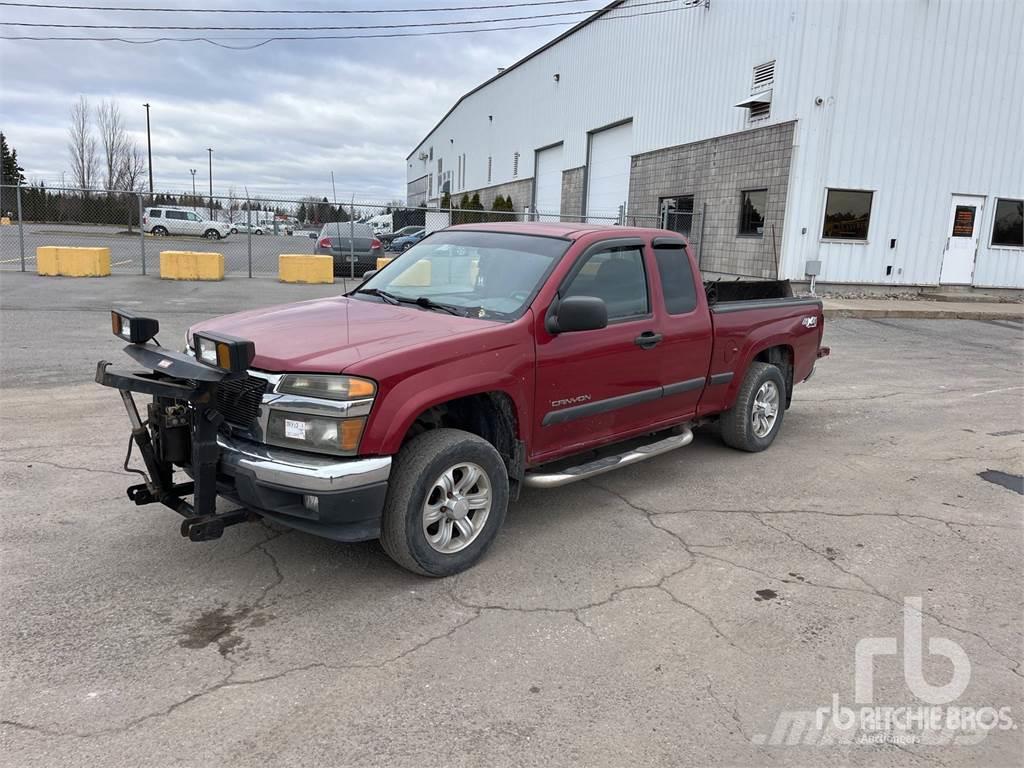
(1008,226)
(515,165)
(489,163)
(752,206)
(431,153)
(677,214)
(847,213)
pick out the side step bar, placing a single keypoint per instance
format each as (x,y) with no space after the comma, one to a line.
(540,479)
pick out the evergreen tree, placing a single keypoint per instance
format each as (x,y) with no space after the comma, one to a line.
(9,175)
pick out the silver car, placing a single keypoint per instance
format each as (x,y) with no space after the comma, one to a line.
(354,246)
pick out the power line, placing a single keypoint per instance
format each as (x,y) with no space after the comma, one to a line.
(292,10)
(319,27)
(688,5)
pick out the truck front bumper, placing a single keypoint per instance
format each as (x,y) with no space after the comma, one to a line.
(340,499)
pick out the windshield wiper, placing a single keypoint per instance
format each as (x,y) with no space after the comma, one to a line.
(390,298)
(420,301)
(426,303)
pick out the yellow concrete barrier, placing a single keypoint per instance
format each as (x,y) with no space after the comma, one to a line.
(418,275)
(383,261)
(191,265)
(305,268)
(5,221)
(72,261)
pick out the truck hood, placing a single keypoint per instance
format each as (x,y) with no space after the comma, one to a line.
(330,335)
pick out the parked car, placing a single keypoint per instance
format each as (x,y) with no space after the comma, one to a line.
(175,221)
(388,237)
(350,243)
(406,242)
(242,226)
(486,358)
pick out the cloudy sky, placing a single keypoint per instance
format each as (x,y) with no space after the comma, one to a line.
(280,117)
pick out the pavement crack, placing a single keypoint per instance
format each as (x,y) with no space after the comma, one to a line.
(66,467)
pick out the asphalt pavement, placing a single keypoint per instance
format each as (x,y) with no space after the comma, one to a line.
(684,611)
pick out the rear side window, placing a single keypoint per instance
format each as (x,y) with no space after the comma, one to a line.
(618,278)
(176,215)
(677,284)
(156,213)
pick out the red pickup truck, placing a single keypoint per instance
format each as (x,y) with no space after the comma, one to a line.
(486,358)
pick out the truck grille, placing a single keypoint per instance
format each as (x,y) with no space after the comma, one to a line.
(239,400)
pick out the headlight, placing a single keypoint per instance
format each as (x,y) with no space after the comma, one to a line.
(137,330)
(327,387)
(316,433)
(222,351)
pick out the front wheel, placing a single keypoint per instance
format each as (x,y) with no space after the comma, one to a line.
(755,419)
(212,234)
(234,231)
(446,503)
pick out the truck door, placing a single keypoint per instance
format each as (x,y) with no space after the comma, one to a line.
(685,353)
(596,385)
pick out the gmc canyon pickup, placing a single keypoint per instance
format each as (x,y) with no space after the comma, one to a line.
(486,358)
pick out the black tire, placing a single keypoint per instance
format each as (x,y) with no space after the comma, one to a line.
(159,231)
(234,231)
(737,424)
(211,234)
(406,247)
(420,462)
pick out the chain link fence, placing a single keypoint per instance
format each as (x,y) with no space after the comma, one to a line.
(251,233)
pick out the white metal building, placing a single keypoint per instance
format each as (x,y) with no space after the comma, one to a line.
(883,138)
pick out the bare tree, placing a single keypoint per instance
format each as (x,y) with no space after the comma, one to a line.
(82,146)
(132,166)
(113,141)
(231,205)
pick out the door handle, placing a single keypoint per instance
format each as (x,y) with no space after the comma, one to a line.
(648,340)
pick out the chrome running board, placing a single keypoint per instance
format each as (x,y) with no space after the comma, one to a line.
(541,479)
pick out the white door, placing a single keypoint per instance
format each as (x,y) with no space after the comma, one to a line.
(961,240)
(547,180)
(608,173)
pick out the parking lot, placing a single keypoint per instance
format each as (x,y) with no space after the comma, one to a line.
(673,613)
(126,249)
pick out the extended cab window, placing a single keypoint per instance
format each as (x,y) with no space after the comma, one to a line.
(677,284)
(618,278)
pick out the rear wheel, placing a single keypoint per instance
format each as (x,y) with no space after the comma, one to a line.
(755,419)
(446,504)
(159,231)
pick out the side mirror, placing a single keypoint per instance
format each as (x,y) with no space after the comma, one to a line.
(368,274)
(577,313)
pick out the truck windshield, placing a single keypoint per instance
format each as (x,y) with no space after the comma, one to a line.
(492,275)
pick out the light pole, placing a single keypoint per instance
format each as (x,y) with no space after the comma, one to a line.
(210,150)
(149,149)
(193,172)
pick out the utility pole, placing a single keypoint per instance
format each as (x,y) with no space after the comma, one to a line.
(149,149)
(210,150)
(193,172)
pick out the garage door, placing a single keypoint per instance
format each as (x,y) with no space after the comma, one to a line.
(608,172)
(547,191)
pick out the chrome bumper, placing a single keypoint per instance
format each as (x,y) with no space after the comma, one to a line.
(300,472)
